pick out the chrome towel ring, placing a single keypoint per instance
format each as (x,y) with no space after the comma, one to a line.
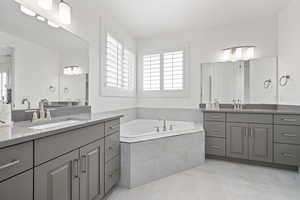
(267,83)
(283,81)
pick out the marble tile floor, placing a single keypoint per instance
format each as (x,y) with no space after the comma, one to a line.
(219,180)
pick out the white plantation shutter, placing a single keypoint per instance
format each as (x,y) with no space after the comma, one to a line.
(119,65)
(173,70)
(128,70)
(113,62)
(151,72)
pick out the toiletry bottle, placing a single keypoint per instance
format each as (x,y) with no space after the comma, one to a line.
(234,104)
(42,115)
(34,116)
(48,115)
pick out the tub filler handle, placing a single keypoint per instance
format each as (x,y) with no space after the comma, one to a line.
(157,129)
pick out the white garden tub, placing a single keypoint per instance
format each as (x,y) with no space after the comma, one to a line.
(145,129)
(148,155)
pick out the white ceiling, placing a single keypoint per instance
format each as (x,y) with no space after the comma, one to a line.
(147,18)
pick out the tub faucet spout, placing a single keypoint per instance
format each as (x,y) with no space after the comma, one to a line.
(164,125)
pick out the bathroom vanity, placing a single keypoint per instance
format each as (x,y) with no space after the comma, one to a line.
(77,161)
(264,136)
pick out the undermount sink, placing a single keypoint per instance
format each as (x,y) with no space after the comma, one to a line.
(55,124)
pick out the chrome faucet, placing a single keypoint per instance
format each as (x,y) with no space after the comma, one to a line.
(42,108)
(42,104)
(26,100)
(43,115)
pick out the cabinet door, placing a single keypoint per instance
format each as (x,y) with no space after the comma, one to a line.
(261,142)
(19,187)
(92,171)
(237,140)
(58,179)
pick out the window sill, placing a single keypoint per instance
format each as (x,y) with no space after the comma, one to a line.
(162,94)
(117,92)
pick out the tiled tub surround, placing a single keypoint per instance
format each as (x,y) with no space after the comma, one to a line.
(147,155)
(175,114)
(265,136)
(78,160)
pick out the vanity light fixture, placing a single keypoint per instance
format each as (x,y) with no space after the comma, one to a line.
(40,18)
(31,13)
(45,4)
(238,53)
(27,11)
(65,12)
(52,24)
(72,70)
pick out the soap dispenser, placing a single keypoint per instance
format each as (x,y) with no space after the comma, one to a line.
(48,115)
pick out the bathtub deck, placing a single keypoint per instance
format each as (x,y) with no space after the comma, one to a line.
(217,180)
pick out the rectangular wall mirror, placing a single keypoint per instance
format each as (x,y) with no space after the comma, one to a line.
(38,61)
(251,82)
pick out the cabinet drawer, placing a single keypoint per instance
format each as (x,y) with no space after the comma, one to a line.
(287,154)
(15,159)
(112,127)
(18,188)
(53,146)
(215,146)
(219,117)
(287,134)
(112,173)
(112,146)
(287,119)
(250,118)
(214,129)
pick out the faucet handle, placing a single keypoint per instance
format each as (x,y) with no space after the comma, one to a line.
(157,129)
(48,114)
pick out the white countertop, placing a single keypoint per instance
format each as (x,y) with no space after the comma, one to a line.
(20,132)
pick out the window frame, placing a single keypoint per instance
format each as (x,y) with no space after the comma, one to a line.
(163,93)
(114,91)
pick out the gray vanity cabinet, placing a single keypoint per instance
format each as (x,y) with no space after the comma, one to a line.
(112,173)
(261,142)
(287,140)
(76,164)
(237,140)
(250,141)
(19,187)
(92,171)
(256,136)
(58,179)
(215,137)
